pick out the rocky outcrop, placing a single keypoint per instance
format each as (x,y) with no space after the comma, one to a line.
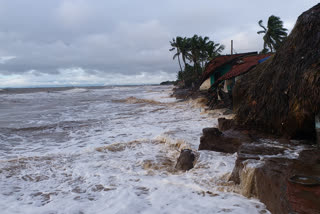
(251,152)
(264,172)
(263,168)
(186,160)
(180,93)
(228,142)
(185,94)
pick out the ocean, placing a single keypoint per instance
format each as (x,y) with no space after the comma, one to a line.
(110,150)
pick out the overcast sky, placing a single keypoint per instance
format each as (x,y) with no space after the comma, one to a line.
(105,42)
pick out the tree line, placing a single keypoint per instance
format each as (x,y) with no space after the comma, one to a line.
(196,52)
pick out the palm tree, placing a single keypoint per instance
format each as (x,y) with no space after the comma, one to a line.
(176,44)
(274,34)
(184,49)
(214,49)
(194,49)
(203,46)
(198,50)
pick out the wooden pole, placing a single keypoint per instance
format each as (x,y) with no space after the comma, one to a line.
(231,47)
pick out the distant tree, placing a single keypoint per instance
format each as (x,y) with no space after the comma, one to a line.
(274,34)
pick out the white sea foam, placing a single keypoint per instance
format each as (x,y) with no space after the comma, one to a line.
(76,90)
(85,153)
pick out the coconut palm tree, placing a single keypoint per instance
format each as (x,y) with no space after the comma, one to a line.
(184,49)
(199,51)
(213,50)
(176,44)
(274,33)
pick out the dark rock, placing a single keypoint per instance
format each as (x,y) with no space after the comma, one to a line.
(180,93)
(228,142)
(259,149)
(186,160)
(211,132)
(225,124)
(270,182)
(251,152)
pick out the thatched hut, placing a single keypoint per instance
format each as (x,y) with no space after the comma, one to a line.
(282,95)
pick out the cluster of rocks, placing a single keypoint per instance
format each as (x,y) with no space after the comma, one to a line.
(266,171)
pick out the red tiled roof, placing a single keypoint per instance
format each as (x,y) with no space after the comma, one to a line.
(218,62)
(248,63)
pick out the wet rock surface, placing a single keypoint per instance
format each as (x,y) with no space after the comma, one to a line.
(269,180)
(265,165)
(251,152)
(186,160)
(180,93)
(228,142)
(225,124)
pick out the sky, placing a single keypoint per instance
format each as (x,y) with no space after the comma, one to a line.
(118,42)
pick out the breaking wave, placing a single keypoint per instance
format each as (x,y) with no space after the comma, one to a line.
(76,90)
(134,100)
(93,153)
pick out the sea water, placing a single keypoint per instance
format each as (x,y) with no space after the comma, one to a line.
(110,150)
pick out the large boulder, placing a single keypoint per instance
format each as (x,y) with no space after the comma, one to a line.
(261,174)
(282,95)
(186,160)
(252,151)
(228,142)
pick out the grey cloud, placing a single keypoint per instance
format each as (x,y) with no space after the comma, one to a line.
(124,37)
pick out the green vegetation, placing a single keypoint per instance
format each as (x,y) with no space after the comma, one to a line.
(195,52)
(168,83)
(274,34)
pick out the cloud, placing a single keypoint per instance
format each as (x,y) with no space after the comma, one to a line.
(4,59)
(74,13)
(79,76)
(102,42)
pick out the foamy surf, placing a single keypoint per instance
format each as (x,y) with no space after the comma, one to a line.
(76,90)
(85,153)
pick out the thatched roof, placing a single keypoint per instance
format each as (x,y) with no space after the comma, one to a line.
(282,95)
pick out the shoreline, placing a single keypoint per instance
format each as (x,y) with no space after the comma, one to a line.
(266,165)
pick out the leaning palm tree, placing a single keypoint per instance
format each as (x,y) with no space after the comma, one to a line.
(176,44)
(184,49)
(274,33)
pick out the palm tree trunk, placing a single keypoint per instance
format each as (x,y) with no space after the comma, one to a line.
(184,61)
(179,63)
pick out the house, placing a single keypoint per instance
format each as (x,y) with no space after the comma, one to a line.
(240,67)
(217,67)
(226,68)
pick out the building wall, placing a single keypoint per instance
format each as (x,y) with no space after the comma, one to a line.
(206,85)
